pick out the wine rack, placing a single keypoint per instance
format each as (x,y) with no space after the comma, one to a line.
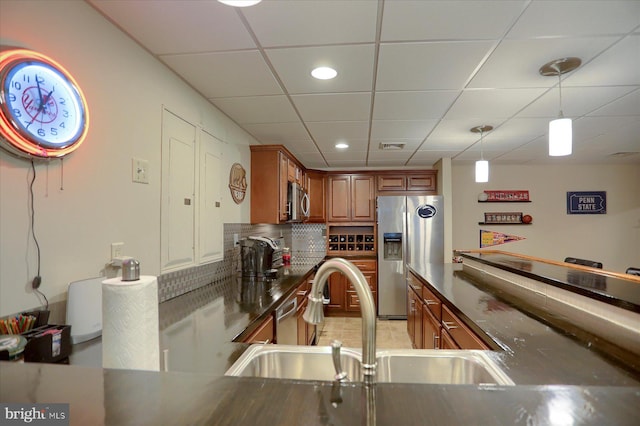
(351,240)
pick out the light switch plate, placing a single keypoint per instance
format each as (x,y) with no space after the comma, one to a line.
(140,170)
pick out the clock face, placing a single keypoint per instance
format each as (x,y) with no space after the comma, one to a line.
(43,111)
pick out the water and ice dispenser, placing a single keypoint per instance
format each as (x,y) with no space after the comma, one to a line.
(392,245)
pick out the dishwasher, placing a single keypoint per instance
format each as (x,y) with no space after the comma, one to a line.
(287,322)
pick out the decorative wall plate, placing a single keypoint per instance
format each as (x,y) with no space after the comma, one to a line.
(238,183)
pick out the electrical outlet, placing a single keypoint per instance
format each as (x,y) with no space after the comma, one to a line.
(236,240)
(140,170)
(116,250)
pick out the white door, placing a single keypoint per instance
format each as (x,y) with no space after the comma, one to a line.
(177,217)
(210,227)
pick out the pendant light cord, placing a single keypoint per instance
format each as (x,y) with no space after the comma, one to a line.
(560,90)
(481,156)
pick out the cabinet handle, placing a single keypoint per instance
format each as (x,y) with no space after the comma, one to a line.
(436,341)
(262,342)
(430,302)
(449,325)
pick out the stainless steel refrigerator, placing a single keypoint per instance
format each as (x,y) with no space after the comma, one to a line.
(410,231)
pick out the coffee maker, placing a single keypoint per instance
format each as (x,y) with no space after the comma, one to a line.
(260,256)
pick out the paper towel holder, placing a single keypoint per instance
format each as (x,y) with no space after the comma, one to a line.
(130,270)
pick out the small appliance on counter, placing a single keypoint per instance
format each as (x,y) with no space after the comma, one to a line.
(84,309)
(260,256)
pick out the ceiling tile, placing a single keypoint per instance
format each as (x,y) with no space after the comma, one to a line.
(218,75)
(333,107)
(626,105)
(179,26)
(412,105)
(271,133)
(418,66)
(450,20)
(392,129)
(258,109)
(327,134)
(617,66)
(576,18)
(516,63)
(576,101)
(354,64)
(285,23)
(494,102)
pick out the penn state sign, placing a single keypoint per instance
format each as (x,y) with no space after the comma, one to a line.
(587,202)
(426,211)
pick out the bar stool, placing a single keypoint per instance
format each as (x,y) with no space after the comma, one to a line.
(583,262)
(633,271)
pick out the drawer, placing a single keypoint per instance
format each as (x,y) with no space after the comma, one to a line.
(414,283)
(365,265)
(461,334)
(433,302)
(353,301)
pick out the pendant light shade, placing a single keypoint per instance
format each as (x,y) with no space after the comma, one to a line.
(482,171)
(482,165)
(560,137)
(560,129)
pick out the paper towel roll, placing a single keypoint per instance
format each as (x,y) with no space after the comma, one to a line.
(130,333)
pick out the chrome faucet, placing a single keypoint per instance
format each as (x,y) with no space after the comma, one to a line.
(315,314)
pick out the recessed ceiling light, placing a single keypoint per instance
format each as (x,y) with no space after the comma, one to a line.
(324,73)
(342,145)
(240,3)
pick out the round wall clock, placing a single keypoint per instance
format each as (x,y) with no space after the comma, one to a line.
(43,112)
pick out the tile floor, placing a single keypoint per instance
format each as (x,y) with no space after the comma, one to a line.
(390,334)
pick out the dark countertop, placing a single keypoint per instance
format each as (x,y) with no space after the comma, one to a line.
(558,380)
(199,329)
(531,353)
(118,397)
(614,289)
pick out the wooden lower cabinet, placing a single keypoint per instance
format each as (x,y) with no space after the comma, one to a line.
(433,325)
(430,330)
(302,324)
(414,319)
(343,297)
(264,333)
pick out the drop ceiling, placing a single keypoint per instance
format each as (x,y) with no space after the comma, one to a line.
(416,73)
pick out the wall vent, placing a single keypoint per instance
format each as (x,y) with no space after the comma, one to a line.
(391,146)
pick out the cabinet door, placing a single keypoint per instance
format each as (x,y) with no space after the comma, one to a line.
(430,330)
(302,324)
(263,334)
(337,292)
(339,198)
(283,183)
(362,198)
(447,341)
(317,197)
(392,183)
(423,183)
(414,320)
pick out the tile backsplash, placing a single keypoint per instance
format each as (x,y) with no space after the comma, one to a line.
(306,241)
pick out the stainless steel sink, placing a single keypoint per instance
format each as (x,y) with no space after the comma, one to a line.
(293,362)
(394,366)
(438,367)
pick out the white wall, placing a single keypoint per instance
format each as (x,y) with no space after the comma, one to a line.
(612,238)
(126,89)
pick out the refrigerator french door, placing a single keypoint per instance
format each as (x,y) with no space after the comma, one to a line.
(410,229)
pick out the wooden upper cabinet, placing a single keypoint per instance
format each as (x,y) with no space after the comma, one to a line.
(363,199)
(316,188)
(339,198)
(351,198)
(283,184)
(424,181)
(392,183)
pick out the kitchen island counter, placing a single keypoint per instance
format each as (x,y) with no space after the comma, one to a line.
(119,397)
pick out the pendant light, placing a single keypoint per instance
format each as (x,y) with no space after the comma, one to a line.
(560,129)
(482,165)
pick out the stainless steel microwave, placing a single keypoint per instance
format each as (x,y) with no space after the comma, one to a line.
(297,203)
